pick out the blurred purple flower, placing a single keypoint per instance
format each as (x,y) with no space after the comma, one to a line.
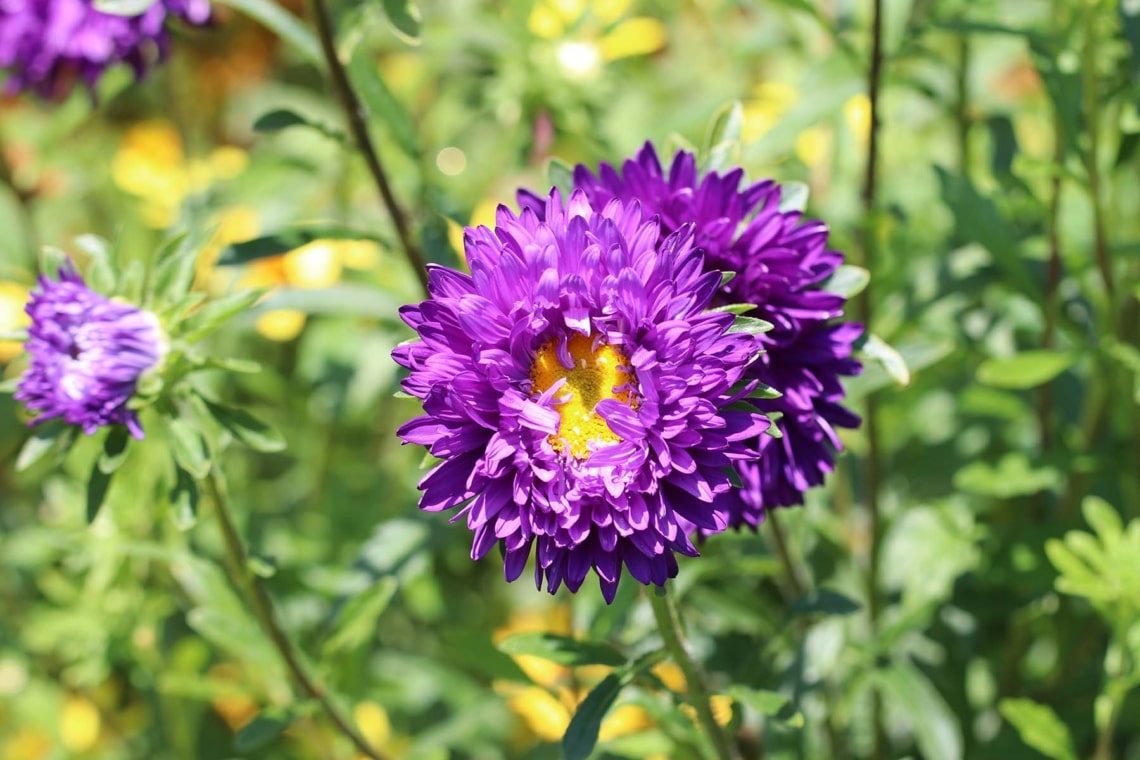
(780,263)
(47,44)
(87,354)
(579,393)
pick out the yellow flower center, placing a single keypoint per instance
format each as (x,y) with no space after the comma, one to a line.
(597,374)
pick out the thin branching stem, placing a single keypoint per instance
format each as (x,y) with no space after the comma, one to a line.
(358,125)
(263,609)
(672,634)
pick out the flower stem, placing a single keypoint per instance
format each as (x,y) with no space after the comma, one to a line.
(263,610)
(669,625)
(1093,107)
(873,474)
(358,125)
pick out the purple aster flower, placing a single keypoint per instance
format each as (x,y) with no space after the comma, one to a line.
(780,263)
(87,354)
(580,393)
(48,44)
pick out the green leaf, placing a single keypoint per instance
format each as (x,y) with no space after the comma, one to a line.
(263,729)
(848,281)
(1103,518)
(735,308)
(245,427)
(282,118)
(562,649)
(1012,476)
(978,220)
(123,7)
(561,175)
(582,733)
(177,267)
(346,299)
(184,499)
(916,355)
(890,359)
(826,602)
(114,449)
(43,440)
(914,701)
(188,448)
(286,240)
(278,119)
(357,623)
(793,196)
(97,486)
(99,275)
(1028,369)
(1039,727)
(769,704)
(750,325)
(215,313)
(282,23)
(404,16)
(382,104)
(722,141)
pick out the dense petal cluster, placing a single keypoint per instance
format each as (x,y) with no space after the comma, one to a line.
(87,354)
(781,263)
(48,44)
(580,393)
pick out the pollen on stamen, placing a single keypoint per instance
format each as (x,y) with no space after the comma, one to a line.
(599,372)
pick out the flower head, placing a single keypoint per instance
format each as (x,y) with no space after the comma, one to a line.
(781,262)
(48,44)
(580,393)
(87,354)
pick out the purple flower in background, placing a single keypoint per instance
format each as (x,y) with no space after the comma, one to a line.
(47,44)
(87,354)
(780,263)
(580,393)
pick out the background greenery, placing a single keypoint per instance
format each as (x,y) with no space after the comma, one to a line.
(968,584)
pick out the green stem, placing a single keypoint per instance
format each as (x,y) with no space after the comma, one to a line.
(263,610)
(790,574)
(358,125)
(1092,122)
(872,474)
(669,625)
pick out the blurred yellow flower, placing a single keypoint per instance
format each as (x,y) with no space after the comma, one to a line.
(235,224)
(372,720)
(546,708)
(27,744)
(674,679)
(768,103)
(315,265)
(721,709)
(813,145)
(636,36)
(13,298)
(593,32)
(230,701)
(857,114)
(280,325)
(79,724)
(150,163)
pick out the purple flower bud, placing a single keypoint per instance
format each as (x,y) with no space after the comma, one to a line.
(87,354)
